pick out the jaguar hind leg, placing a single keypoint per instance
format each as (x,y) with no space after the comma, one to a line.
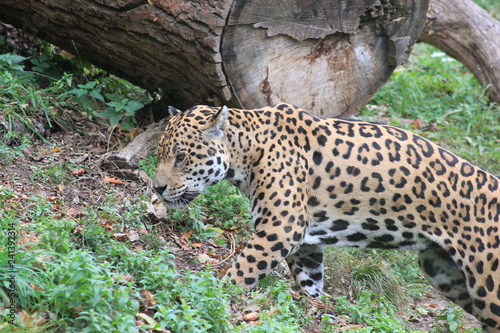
(307,268)
(445,275)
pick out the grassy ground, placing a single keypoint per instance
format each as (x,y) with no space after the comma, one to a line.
(90,256)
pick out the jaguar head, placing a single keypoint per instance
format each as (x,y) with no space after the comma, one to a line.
(192,154)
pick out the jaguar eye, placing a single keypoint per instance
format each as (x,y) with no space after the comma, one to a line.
(179,158)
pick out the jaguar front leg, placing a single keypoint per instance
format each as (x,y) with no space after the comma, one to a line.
(280,221)
(269,246)
(306,265)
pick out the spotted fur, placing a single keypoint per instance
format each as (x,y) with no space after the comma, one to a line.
(315,182)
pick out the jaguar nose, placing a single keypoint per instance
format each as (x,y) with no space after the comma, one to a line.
(159,189)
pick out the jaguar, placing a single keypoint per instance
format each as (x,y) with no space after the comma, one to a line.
(316,182)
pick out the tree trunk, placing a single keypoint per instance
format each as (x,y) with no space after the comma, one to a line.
(327,56)
(469,34)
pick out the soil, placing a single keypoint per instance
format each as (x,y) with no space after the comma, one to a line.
(81,155)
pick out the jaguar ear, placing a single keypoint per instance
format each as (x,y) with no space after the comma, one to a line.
(171,111)
(217,124)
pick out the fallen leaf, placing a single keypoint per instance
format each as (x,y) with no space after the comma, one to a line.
(66,54)
(133,235)
(60,187)
(223,270)
(78,172)
(112,180)
(181,241)
(416,124)
(56,149)
(147,295)
(36,319)
(120,237)
(135,132)
(151,322)
(36,287)
(78,159)
(108,225)
(251,316)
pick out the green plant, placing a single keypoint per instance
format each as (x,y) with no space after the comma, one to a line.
(121,111)
(278,311)
(87,95)
(198,305)
(11,62)
(149,165)
(44,66)
(222,204)
(377,277)
(452,320)
(18,272)
(9,153)
(392,275)
(54,174)
(88,296)
(376,314)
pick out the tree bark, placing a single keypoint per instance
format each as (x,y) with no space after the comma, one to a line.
(469,34)
(165,44)
(327,56)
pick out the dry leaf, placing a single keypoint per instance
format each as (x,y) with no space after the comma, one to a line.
(60,187)
(34,320)
(66,54)
(112,180)
(108,225)
(416,124)
(251,316)
(120,237)
(147,295)
(223,270)
(73,211)
(78,172)
(36,287)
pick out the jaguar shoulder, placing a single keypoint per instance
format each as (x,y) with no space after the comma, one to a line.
(315,182)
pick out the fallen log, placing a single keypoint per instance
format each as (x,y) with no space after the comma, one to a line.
(469,34)
(327,56)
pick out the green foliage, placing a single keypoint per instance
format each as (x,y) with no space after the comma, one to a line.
(121,110)
(87,95)
(17,266)
(149,165)
(54,174)
(198,304)
(453,318)
(11,62)
(7,153)
(87,296)
(379,278)
(49,89)
(279,312)
(392,275)
(376,314)
(223,205)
